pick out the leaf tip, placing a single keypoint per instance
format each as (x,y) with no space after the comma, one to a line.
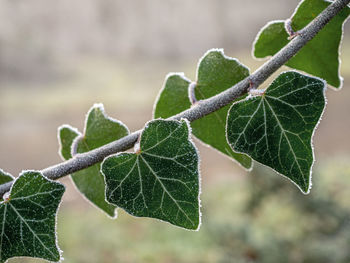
(254,53)
(168,77)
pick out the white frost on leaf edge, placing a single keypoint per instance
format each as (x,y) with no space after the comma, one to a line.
(100,107)
(189,129)
(56,213)
(169,75)
(312,135)
(341,79)
(262,29)
(222,52)
(6,174)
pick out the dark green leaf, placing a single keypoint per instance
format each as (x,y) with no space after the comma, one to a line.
(320,57)
(276,128)
(99,130)
(161,180)
(28,218)
(216,73)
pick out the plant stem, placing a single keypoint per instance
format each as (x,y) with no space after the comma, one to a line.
(204,107)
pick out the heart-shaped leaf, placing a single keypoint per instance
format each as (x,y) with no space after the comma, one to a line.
(216,73)
(99,130)
(160,180)
(276,128)
(28,218)
(319,57)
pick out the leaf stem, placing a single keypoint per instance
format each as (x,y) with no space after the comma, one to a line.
(206,106)
(288,26)
(192,93)
(74,147)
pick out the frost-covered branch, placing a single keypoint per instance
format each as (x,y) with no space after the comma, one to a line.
(204,107)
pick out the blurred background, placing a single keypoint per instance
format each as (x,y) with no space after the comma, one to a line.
(57,58)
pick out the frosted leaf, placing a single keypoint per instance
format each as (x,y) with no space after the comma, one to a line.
(162,180)
(320,56)
(28,218)
(99,130)
(276,128)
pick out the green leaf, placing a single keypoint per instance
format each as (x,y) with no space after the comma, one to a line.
(66,136)
(28,218)
(216,73)
(276,128)
(173,98)
(161,180)
(319,57)
(5,177)
(99,130)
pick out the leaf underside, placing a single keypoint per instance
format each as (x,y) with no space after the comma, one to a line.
(320,56)
(28,218)
(162,180)
(215,73)
(276,128)
(99,130)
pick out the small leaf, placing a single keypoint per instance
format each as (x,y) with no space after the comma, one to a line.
(319,57)
(216,73)
(159,181)
(276,128)
(99,130)
(66,136)
(173,98)
(5,177)
(28,218)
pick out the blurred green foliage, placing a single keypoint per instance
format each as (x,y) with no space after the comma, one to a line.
(279,224)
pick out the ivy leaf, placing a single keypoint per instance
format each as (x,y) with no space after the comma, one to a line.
(319,57)
(216,73)
(161,180)
(173,98)
(28,218)
(66,136)
(276,128)
(99,130)
(5,177)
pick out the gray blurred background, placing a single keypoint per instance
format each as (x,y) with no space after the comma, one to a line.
(57,58)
